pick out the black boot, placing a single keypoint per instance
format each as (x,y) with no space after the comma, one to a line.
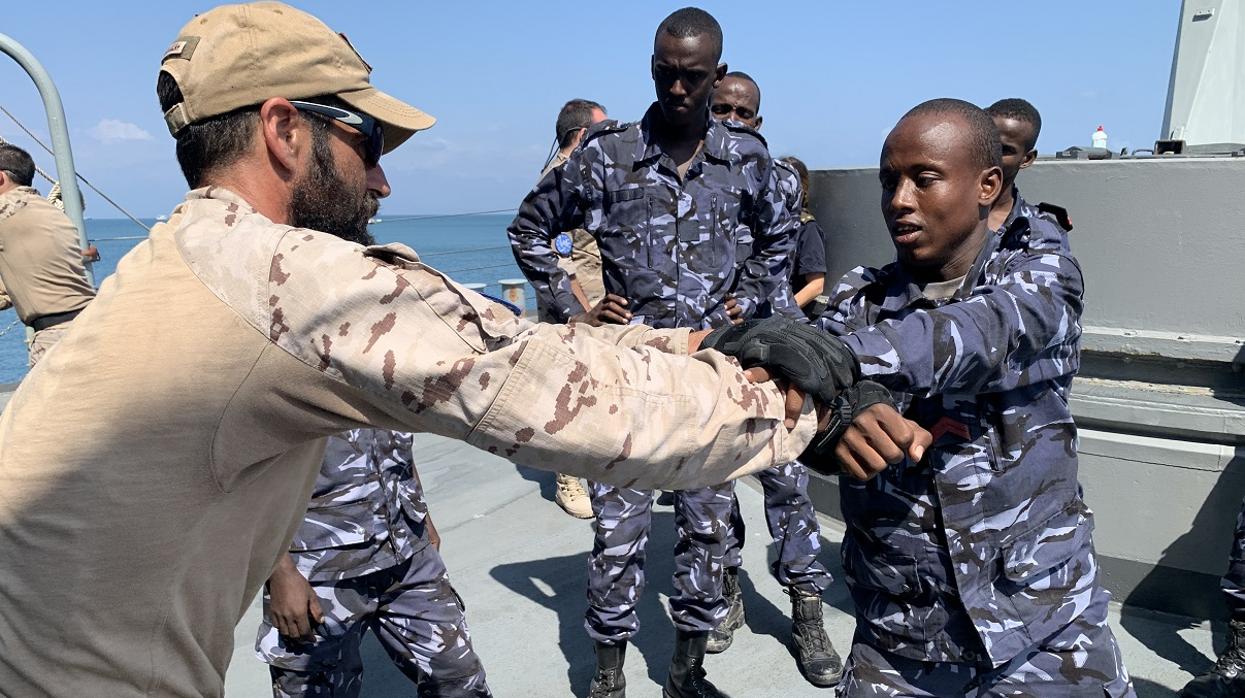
(687,670)
(724,634)
(609,681)
(814,653)
(1227,678)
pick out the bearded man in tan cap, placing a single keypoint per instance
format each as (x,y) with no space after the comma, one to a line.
(235,339)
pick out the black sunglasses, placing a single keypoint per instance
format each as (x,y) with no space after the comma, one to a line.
(362,123)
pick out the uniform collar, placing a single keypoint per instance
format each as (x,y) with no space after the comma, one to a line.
(18,192)
(217,193)
(1018,209)
(903,290)
(716,136)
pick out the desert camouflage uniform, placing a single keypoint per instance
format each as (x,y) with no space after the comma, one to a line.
(978,561)
(253,341)
(675,248)
(364,549)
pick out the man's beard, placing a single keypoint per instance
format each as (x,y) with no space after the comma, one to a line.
(322,201)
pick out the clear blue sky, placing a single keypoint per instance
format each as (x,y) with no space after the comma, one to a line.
(835,77)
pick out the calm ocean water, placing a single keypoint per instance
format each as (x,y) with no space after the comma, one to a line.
(471,249)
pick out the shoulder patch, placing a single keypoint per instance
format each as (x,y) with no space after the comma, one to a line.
(1058,213)
(608,126)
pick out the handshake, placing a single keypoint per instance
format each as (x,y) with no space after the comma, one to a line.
(860,431)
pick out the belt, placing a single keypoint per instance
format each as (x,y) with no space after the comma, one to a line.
(46,321)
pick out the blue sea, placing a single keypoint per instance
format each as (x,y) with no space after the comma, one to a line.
(471,249)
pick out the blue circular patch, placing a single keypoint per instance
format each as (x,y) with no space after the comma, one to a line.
(562,244)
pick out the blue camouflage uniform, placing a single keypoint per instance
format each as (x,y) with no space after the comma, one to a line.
(789,513)
(973,571)
(364,549)
(1233,583)
(676,249)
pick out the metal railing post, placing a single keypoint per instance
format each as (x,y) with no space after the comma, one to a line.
(65,172)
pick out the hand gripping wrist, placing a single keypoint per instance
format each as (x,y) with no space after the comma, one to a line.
(814,361)
(819,456)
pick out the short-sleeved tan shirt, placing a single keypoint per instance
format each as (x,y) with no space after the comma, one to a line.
(41,269)
(135,533)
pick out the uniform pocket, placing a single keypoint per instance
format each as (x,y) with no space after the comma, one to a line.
(1048,547)
(876,568)
(627,225)
(886,587)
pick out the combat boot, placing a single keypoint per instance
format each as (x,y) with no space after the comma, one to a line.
(724,634)
(814,653)
(1227,678)
(687,669)
(609,681)
(572,497)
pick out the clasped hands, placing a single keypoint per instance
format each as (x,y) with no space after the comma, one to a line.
(860,431)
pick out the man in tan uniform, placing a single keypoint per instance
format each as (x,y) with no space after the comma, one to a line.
(581,258)
(232,341)
(41,269)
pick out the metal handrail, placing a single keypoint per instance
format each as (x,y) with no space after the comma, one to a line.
(70,194)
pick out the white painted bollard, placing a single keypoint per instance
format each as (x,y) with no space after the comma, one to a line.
(478,288)
(514,291)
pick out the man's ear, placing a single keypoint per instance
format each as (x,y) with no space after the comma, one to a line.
(990,186)
(1029,158)
(759,120)
(284,133)
(719,75)
(652,67)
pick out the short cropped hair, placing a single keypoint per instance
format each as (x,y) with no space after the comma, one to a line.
(211,143)
(984,137)
(741,75)
(693,21)
(18,163)
(1020,110)
(575,114)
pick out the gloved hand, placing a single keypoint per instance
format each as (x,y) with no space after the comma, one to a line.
(819,456)
(812,360)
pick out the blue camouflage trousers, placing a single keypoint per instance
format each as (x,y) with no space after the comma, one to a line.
(792,523)
(616,563)
(414,612)
(1081,659)
(1233,583)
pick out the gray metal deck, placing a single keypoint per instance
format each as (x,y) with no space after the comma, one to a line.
(519,563)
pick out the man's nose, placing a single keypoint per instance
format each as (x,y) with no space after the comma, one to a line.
(377,182)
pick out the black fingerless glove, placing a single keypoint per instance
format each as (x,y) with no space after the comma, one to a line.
(812,360)
(819,456)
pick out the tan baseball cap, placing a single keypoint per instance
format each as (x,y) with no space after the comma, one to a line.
(236,56)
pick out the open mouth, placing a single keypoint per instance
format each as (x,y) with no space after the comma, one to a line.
(905,233)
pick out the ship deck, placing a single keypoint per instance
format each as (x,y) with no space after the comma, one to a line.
(520,565)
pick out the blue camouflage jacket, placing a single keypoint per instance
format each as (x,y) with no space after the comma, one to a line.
(367,509)
(673,248)
(983,548)
(782,301)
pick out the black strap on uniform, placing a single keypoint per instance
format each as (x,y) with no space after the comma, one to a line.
(42,323)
